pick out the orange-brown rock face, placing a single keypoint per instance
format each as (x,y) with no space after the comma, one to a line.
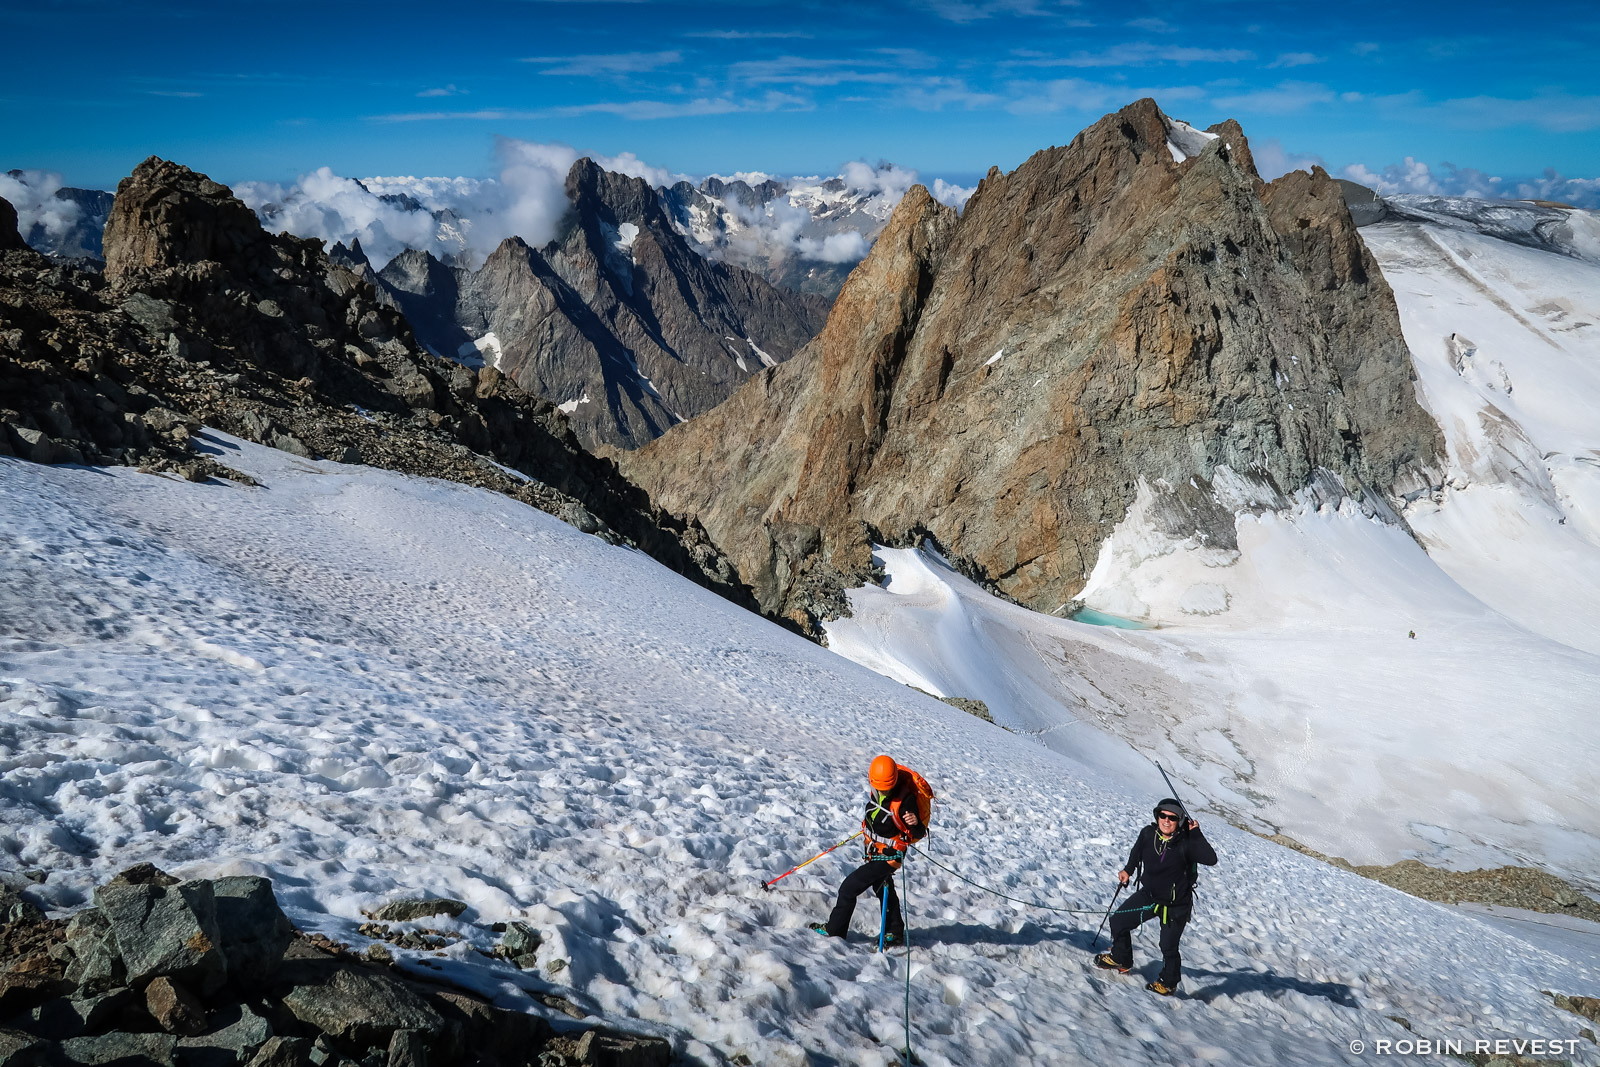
(1103,314)
(167,216)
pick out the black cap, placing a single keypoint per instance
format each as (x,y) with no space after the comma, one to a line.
(1170,804)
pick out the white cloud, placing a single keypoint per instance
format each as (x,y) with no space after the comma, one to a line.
(33,194)
(885,178)
(463,217)
(616,63)
(1295,59)
(955,196)
(847,247)
(447,90)
(1413,176)
(1274,161)
(1285,98)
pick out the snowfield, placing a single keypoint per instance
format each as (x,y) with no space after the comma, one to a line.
(364,685)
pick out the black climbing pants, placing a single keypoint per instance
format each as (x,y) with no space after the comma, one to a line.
(1173,918)
(879,877)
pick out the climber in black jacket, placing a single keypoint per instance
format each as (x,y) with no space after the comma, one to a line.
(1165,856)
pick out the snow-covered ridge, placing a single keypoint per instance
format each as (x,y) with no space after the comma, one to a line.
(1183,140)
(364,685)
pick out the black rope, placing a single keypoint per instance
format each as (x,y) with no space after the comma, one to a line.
(1019,900)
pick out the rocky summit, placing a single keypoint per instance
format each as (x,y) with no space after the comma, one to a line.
(203,319)
(1134,308)
(619,321)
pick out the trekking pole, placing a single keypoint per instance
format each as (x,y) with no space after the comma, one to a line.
(883,921)
(769,884)
(1096,942)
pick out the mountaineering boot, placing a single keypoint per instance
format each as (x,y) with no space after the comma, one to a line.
(891,940)
(1106,963)
(819,928)
(1158,986)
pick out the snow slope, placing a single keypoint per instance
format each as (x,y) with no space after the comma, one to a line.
(364,685)
(1506,342)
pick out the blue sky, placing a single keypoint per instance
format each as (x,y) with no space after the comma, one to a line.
(948,87)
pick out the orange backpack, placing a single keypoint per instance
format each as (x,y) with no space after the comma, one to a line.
(924,799)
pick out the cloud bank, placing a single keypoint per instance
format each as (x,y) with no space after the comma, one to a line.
(1413,176)
(462,220)
(33,194)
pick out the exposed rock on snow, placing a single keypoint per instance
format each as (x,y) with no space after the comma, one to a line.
(300,1003)
(1164,319)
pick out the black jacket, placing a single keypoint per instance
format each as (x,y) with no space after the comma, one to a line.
(1169,869)
(880,820)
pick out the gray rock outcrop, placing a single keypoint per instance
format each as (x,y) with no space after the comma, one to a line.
(1102,316)
(619,320)
(310,1004)
(254,931)
(166,932)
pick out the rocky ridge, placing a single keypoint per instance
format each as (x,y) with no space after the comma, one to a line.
(1122,310)
(163,972)
(201,318)
(619,321)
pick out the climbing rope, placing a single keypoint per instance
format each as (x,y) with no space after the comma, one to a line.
(905,893)
(1019,900)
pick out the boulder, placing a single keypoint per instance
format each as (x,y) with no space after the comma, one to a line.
(362,1009)
(520,939)
(65,1017)
(472,1025)
(283,1052)
(400,911)
(124,1050)
(602,1049)
(165,215)
(174,1008)
(407,1049)
(40,447)
(18,1049)
(235,1035)
(96,967)
(166,931)
(30,978)
(254,930)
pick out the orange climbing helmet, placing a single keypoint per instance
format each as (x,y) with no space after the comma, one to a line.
(883,774)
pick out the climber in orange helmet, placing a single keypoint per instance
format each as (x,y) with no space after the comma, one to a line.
(899,804)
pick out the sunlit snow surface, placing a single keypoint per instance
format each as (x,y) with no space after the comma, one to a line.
(1506,342)
(366,685)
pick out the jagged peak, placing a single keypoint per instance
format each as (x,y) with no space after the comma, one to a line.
(611,197)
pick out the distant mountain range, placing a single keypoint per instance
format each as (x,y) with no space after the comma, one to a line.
(620,321)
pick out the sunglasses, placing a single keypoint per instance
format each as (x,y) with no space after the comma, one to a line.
(1167,816)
